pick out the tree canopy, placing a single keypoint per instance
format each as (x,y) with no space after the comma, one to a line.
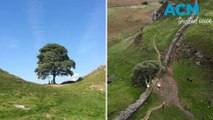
(144,72)
(53,60)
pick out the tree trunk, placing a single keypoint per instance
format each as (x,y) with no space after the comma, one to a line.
(53,82)
(54,75)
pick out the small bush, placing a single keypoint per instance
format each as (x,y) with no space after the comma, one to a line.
(138,38)
(144,3)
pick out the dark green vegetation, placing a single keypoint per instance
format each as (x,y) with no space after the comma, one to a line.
(53,60)
(124,54)
(144,72)
(83,100)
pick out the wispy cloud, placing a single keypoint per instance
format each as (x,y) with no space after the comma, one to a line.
(34,18)
(13,44)
(9,42)
(91,49)
(89,38)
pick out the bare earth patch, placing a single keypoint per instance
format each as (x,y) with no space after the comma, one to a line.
(169,92)
(129,19)
(56,85)
(98,87)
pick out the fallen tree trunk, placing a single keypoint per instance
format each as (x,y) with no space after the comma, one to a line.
(124,115)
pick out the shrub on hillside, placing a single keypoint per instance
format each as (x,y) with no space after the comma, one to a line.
(144,3)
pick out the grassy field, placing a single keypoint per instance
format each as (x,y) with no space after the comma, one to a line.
(124,54)
(169,113)
(120,58)
(195,95)
(127,20)
(152,102)
(84,100)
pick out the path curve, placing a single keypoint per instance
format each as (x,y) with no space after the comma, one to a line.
(151,110)
(169,92)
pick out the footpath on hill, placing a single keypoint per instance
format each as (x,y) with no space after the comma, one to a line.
(144,96)
(169,94)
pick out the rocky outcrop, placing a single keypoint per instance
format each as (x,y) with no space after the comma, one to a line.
(111,78)
(200,58)
(23,107)
(159,13)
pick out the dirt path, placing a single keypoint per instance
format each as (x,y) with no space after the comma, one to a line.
(157,51)
(151,110)
(169,92)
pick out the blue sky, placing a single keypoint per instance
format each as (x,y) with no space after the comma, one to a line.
(27,25)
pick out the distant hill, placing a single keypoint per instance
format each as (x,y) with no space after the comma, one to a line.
(21,100)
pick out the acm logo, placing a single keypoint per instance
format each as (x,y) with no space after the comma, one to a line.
(178,9)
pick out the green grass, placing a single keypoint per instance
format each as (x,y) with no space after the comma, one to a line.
(168,113)
(195,95)
(61,102)
(123,56)
(200,38)
(111,13)
(151,102)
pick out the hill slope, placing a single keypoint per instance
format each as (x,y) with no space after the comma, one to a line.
(22,100)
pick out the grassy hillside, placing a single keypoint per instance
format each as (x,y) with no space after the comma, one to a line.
(80,101)
(125,54)
(128,20)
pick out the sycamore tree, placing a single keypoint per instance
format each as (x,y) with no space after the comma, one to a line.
(144,72)
(53,60)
